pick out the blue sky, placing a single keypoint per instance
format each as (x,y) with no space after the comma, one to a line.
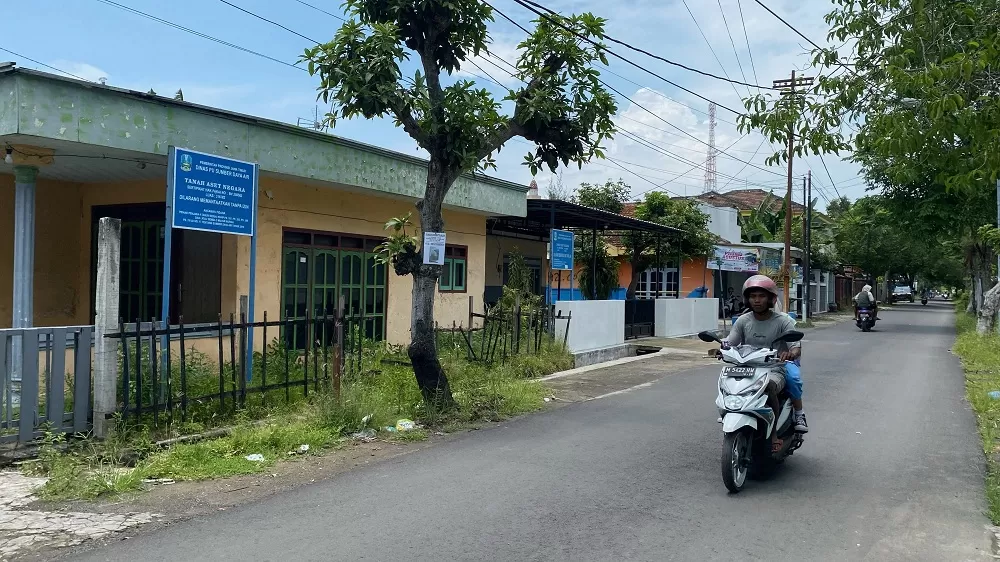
(94,40)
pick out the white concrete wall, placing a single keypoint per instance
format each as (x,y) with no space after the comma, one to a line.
(685,317)
(723,221)
(594,325)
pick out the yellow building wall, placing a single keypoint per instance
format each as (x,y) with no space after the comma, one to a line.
(292,205)
(63,247)
(499,246)
(57,250)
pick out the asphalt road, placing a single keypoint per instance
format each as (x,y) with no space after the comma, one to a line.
(891,470)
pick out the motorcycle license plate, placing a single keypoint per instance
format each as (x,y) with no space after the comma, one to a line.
(739,372)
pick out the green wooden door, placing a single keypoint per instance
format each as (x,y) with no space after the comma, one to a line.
(295,295)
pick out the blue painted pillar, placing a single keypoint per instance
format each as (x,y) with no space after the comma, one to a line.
(24,264)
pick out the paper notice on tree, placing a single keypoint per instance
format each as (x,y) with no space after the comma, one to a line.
(434,248)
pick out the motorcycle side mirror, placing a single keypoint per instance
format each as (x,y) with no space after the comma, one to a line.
(790,336)
(709,337)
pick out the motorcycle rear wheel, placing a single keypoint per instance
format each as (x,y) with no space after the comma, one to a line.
(736,459)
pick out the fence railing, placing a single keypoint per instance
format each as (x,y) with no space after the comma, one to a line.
(503,332)
(203,377)
(45,376)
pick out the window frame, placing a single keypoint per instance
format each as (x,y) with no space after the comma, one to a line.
(338,248)
(450,259)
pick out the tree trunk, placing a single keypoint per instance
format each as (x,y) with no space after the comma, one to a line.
(986,320)
(431,379)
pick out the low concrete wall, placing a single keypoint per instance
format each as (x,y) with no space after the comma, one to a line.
(685,317)
(594,324)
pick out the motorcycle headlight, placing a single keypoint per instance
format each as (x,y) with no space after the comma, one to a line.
(733,402)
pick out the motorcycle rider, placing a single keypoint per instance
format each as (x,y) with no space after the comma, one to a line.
(865,299)
(761,327)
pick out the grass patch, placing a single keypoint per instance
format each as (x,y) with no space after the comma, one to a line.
(981,361)
(373,399)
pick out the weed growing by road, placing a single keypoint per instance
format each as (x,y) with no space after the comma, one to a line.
(981,361)
(375,400)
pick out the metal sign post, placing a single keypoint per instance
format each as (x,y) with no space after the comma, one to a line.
(562,256)
(211,193)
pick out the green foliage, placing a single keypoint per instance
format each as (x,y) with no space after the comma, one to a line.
(398,242)
(765,224)
(921,89)
(606,272)
(838,207)
(643,248)
(610,197)
(520,284)
(563,108)
(384,392)
(980,357)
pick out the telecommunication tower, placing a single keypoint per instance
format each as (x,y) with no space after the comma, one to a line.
(711,181)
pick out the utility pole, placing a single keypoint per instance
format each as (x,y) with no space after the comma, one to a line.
(787,88)
(807,242)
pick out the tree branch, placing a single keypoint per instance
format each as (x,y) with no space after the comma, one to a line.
(405,116)
(513,127)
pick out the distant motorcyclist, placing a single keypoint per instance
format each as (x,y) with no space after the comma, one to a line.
(760,328)
(865,299)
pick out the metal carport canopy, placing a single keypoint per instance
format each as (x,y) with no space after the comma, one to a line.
(544,214)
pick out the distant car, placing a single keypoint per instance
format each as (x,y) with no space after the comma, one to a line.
(901,293)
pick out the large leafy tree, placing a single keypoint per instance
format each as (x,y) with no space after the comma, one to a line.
(920,79)
(646,250)
(562,108)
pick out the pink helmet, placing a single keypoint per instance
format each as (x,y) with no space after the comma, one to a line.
(760,282)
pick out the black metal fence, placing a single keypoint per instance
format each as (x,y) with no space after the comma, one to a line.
(503,332)
(204,373)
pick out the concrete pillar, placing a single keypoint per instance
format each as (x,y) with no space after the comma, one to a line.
(24,266)
(109,234)
(24,245)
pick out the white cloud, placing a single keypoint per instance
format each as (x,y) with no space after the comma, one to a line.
(81,69)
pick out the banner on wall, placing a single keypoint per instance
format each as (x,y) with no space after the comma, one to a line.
(731,258)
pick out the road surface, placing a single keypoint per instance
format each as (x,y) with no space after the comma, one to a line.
(891,470)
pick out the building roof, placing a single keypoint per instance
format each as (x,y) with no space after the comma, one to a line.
(747,200)
(84,121)
(545,214)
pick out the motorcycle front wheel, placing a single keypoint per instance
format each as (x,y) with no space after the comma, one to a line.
(736,459)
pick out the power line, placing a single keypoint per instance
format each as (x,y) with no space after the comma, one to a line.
(50,67)
(652,146)
(800,34)
(640,106)
(746,36)
(616,55)
(834,184)
(649,54)
(199,34)
(744,166)
(638,175)
(709,43)
(733,43)
(272,22)
(321,10)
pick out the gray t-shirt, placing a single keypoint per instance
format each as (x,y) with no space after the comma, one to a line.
(761,333)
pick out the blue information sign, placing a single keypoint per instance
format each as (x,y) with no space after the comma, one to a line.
(213,194)
(562,250)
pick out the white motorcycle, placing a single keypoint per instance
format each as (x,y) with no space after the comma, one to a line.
(747,421)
